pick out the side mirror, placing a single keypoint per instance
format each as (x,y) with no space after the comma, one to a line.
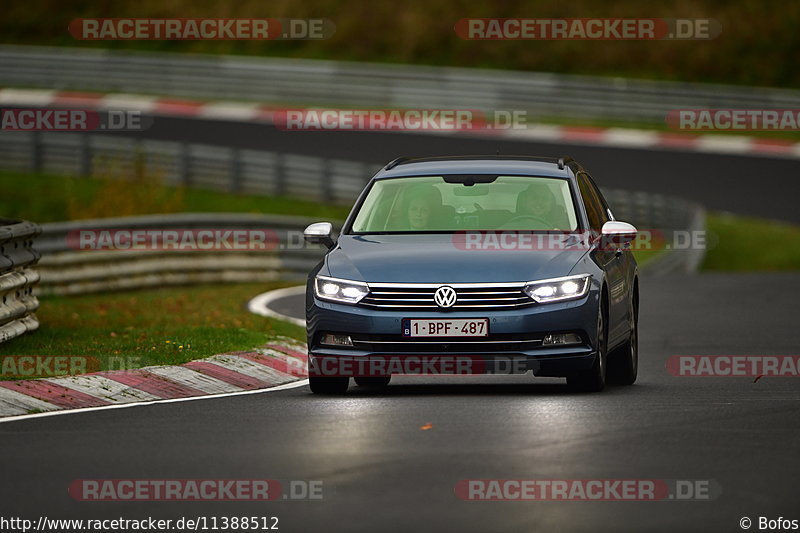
(619,233)
(319,233)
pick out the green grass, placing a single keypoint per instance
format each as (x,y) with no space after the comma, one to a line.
(758,44)
(152,327)
(43,198)
(737,243)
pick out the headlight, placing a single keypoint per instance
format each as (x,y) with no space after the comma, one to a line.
(340,290)
(558,289)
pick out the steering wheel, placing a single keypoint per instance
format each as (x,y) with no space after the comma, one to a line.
(544,222)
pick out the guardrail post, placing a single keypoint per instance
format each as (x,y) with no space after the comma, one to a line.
(326,188)
(184,164)
(85,156)
(36,152)
(280,175)
(235,183)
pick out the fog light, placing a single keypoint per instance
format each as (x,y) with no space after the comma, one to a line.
(336,340)
(561,338)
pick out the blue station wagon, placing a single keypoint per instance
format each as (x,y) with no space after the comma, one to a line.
(480,264)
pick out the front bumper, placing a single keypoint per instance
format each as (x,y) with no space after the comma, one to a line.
(514,343)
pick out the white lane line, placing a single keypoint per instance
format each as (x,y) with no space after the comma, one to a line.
(34,97)
(631,138)
(260,304)
(724,144)
(193,379)
(250,368)
(133,102)
(104,388)
(230,111)
(536,132)
(293,385)
(17,403)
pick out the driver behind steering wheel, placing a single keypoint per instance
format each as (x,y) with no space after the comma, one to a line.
(538,201)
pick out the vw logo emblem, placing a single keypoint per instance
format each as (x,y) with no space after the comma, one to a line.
(445,296)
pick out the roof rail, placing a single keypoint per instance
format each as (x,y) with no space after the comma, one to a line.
(562,161)
(394,162)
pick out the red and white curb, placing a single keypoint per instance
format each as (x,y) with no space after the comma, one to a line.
(278,365)
(253,112)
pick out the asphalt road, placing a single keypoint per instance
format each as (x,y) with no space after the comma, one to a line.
(381,472)
(749,185)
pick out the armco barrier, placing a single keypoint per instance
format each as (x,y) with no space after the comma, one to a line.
(351,84)
(67,270)
(206,166)
(17,278)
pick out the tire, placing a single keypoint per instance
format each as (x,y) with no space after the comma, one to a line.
(373,381)
(594,379)
(327,385)
(623,365)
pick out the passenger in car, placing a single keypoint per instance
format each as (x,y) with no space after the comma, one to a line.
(425,210)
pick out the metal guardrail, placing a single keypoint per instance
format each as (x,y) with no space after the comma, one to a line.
(237,170)
(229,169)
(17,278)
(350,84)
(67,270)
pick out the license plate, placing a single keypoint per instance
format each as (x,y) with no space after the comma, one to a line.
(446,327)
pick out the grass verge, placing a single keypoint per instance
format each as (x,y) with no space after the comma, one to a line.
(757,46)
(151,327)
(48,198)
(742,244)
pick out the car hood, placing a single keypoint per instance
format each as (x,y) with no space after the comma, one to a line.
(435,258)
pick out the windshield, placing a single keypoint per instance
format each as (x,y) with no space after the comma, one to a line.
(456,203)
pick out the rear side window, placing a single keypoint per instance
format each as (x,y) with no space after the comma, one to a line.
(595,209)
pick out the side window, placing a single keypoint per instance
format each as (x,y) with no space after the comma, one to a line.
(607,213)
(594,206)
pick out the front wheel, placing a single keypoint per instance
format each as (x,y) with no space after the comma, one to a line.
(328,385)
(623,365)
(594,379)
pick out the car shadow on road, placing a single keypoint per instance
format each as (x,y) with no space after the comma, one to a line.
(487,389)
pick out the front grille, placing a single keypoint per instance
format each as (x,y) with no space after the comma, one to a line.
(492,344)
(470,296)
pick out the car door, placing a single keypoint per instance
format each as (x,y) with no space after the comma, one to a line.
(608,258)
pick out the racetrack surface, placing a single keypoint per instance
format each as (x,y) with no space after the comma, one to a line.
(381,472)
(743,184)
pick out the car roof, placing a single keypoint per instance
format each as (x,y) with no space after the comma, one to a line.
(509,165)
